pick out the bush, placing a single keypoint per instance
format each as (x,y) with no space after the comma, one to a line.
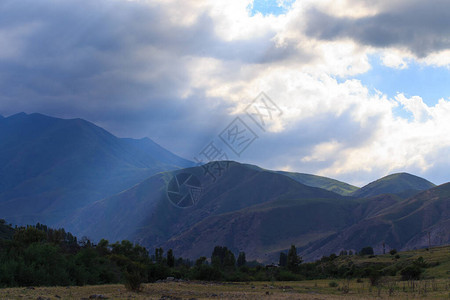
(411,272)
(205,272)
(393,252)
(134,275)
(333,284)
(287,276)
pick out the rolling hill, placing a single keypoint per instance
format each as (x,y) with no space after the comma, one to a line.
(401,184)
(50,167)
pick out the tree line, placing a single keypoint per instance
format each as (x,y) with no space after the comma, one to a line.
(42,256)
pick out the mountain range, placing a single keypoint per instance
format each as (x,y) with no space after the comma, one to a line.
(76,175)
(50,167)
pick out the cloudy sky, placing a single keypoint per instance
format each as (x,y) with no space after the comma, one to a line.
(363,86)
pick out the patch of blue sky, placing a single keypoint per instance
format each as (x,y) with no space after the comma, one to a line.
(431,83)
(270,7)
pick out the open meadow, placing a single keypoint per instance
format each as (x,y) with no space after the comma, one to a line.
(310,289)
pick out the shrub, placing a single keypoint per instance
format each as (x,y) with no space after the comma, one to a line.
(411,272)
(287,276)
(333,284)
(134,275)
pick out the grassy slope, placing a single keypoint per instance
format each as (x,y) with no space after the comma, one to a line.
(329,184)
(400,183)
(440,255)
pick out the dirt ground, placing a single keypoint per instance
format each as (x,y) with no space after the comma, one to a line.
(315,290)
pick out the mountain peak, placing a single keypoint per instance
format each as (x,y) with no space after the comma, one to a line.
(17,115)
(403,184)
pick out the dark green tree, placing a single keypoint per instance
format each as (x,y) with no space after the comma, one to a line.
(283,260)
(170,259)
(200,261)
(159,255)
(241,261)
(102,247)
(222,258)
(293,260)
(29,235)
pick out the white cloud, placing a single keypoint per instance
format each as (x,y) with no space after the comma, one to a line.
(395,59)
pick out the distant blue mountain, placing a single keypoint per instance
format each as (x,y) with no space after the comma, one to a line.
(50,167)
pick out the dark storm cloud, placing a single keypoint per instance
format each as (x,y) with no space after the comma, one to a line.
(422,27)
(116,62)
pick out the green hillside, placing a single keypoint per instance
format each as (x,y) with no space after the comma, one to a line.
(436,261)
(402,184)
(329,184)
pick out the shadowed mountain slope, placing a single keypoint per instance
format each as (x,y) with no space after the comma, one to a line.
(49,167)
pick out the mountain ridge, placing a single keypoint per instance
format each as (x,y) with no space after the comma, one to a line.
(403,184)
(50,167)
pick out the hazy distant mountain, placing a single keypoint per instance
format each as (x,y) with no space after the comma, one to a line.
(402,184)
(329,184)
(50,167)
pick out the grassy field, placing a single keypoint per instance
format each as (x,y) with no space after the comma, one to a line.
(437,257)
(314,289)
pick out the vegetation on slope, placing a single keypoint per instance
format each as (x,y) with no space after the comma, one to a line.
(325,183)
(403,184)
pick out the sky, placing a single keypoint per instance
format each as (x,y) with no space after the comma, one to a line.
(351,89)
